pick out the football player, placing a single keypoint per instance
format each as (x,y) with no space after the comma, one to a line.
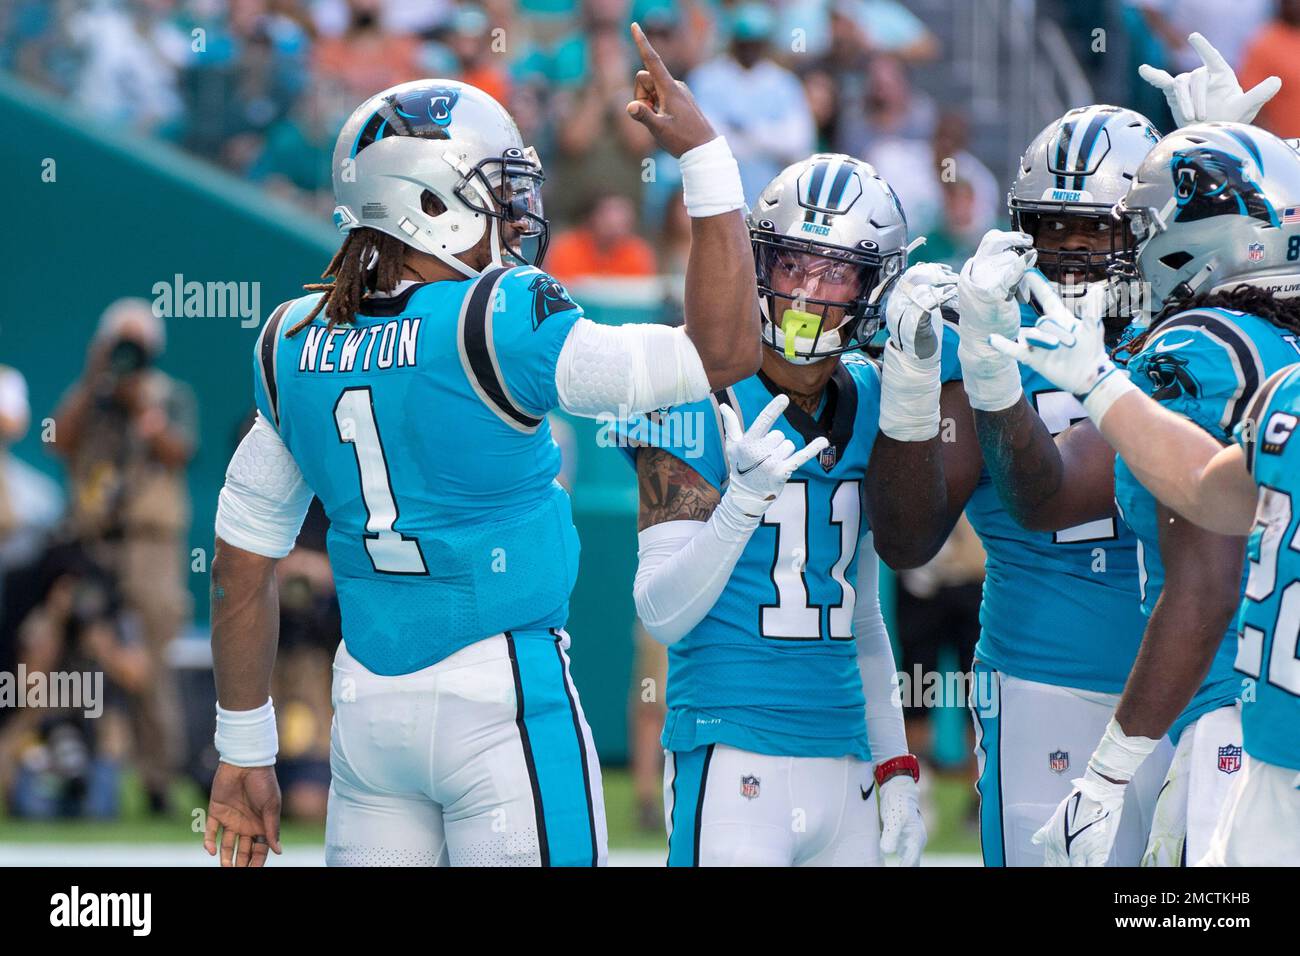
(1207,225)
(410,396)
(756,563)
(1249,486)
(1047,675)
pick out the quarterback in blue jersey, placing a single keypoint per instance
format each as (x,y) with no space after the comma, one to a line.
(410,395)
(756,563)
(1206,221)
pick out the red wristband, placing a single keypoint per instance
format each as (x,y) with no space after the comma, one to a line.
(894,766)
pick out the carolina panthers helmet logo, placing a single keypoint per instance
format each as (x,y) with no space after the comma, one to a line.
(549,297)
(1210,182)
(1168,373)
(425,113)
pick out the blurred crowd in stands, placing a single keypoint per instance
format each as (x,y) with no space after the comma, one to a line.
(261,87)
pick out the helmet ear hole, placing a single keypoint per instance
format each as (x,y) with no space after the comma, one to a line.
(431,205)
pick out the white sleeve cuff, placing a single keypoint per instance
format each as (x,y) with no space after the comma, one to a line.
(627,369)
(265,498)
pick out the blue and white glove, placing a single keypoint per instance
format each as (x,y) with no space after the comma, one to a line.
(987,306)
(902,830)
(909,399)
(760,460)
(1209,93)
(1067,350)
(1082,830)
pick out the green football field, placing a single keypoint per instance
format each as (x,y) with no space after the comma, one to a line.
(160,840)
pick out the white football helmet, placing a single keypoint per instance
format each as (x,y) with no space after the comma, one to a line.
(454,141)
(835,223)
(1214,206)
(1076,169)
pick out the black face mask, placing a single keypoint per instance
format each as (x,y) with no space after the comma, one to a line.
(127,357)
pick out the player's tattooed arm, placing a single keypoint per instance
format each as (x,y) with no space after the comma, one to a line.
(1046,483)
(245,625)
(671,490)
(1201,593)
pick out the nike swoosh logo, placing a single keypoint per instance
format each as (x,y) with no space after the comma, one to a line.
(1167,347)
(1070,837)
(866,794)
(745,471)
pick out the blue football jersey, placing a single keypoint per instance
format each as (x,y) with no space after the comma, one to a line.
(1268,645)
(422,429)
(1206,365)
(1060,607)
(773,667)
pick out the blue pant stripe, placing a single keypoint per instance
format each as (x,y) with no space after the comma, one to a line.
(989,785)
(690,776)
(555,751)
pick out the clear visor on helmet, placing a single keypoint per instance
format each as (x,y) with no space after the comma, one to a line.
(825,277)
(514,181)
(810,289)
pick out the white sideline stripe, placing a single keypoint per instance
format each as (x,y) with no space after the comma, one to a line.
(168,855)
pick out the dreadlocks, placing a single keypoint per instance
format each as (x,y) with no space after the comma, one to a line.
(1284,313)
(368,261)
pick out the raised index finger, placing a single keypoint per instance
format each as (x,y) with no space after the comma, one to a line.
(663,80)
(1211,57)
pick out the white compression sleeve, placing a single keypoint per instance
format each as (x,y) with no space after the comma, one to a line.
(876,661)
(627,369)
(265,498)
(682,567)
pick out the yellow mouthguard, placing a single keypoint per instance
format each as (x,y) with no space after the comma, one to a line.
(795,323)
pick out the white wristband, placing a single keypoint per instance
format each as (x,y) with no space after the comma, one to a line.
(247,738)
(1112,387)
(909,397)
(711,180)
(1118,756)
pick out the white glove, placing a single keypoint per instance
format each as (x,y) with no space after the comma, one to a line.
(1067,350)
(985,300)
(761,461)
(909,400)
(902,830)
(1209,93)
(1082,830)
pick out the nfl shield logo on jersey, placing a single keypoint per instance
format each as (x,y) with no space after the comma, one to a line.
(749,786)
(1058,761)
(1229,759)
(828,457)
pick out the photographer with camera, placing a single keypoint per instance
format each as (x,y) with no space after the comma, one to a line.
(66,627)
(126,431)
